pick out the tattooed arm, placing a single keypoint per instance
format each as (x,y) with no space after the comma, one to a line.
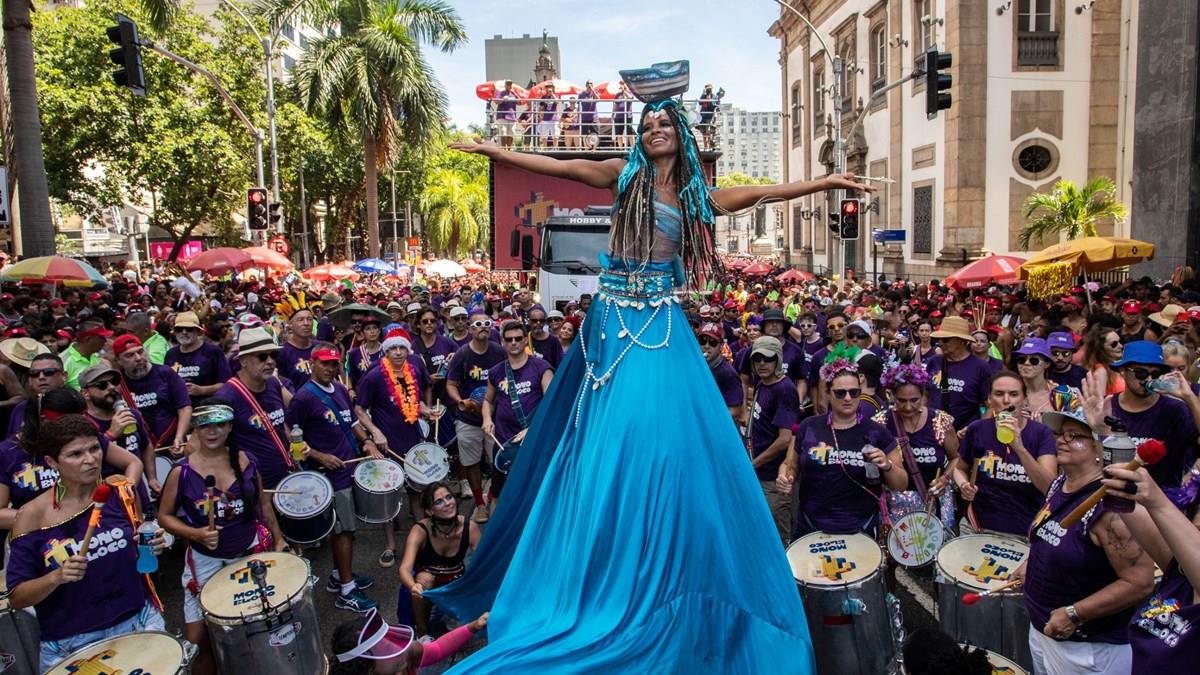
(1135,570)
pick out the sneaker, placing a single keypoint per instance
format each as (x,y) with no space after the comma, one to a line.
(387,558)
(355,601)
(481,514)
(360,582)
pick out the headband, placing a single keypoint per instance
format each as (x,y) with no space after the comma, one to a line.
(212,414)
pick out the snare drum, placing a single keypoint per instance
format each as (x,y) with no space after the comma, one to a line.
(915,539)
(20,646)
(999,622)
(841,581)
(425,464)
(378,490)
(306,517)
(162,467)
(252,639)
(149,652)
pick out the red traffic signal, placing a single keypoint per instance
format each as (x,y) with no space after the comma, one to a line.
(850,209)
(256,208)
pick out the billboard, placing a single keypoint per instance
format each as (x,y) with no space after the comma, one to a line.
(161,250)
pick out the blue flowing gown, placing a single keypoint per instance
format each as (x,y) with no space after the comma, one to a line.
(633,535)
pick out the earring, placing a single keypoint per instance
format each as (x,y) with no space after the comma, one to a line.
(60,493)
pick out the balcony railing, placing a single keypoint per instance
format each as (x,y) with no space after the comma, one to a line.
(607,131)
(1037,49)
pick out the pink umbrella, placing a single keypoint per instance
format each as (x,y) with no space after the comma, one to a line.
(330,272)
(561,88)
(991,269)
(795,275)
(472,267)
(757,269)
(737,264)
(268,258)
(488,90)
(220,261)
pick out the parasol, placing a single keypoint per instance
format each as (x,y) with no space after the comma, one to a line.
(757,269)
(472,267)
(795,275)
(220,261)
(488,90)
(268,258)
(991,269)
(342,316)
(330,272)
(374,266)
(445,268)
(608,90)
(1093,254)
(53,269)
(561,88)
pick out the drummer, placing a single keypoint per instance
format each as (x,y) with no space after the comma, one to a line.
(322,409)
(1004,483)
(46,566)
(237,501)
(1082,579)
(370,646)
(259,402)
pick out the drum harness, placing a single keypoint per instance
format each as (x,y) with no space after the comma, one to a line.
(508,448)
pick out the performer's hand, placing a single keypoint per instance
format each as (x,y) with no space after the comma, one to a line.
(489,428)
(1145,490)
(372,449)
(938,486)
(281,545)
(479,624)
(73,569)
(193,389)
(845,181)
(968,491)
(1091,392)
(120,419)
(155,486)
(474,146)
(208,537)
(875,456)
(1060,626)
(520,436)
(786,478)
(158,543)
(328,461)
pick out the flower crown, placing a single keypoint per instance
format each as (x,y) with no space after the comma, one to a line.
(841,360)
(907,373)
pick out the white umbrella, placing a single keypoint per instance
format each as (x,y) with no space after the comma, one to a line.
(445,268)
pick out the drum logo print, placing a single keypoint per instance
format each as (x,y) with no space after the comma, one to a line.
(833,568)
(1157,607)
(242,574)
(92,665)
(988,571)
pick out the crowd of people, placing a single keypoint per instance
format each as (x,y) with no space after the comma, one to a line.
(992,406)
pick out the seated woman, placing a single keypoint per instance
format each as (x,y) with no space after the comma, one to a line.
(46,565)
(368,645)
(237,501)
(435,550)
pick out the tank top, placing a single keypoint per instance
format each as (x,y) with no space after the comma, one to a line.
(428,559)
(236,513)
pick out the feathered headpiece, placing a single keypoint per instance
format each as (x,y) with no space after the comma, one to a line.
(292,304)
(841,360)
(907,373)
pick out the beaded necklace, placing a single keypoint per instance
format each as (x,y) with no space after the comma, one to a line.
(408,399)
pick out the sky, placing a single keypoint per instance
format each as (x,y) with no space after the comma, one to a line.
(725,40)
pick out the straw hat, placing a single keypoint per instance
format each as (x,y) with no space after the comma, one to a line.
(256,340)
(953,327)
(1168,315)
(21,350)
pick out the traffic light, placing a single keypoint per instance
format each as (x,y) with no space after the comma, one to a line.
(850,210)
(127,57)
(275,217)
(256,208)
(835,224)
(937,83)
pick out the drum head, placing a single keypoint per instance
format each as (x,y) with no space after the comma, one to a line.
(3,595)
(821,559)
(982,561)
(315,494)
(915,539)
(379,475)
(232,593)
(999,663)
(426,463)
(150,652)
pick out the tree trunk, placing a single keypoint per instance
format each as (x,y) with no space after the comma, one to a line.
(37,230)
(371,173)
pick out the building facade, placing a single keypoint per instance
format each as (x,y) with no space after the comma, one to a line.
(751,143)
(523,60)
(1042,90)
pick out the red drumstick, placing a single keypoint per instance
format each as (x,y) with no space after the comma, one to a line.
(972,598)
(1149,452)
(99,496)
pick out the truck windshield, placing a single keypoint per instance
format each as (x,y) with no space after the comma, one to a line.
(574,250)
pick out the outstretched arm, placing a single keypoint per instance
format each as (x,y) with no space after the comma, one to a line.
(745,196)
(596,173)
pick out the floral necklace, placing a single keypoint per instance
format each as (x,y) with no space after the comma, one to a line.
(408,399)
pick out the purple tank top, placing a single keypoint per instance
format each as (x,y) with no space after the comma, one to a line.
(237,515)
(1064,566)
(927,443)
(1164,634)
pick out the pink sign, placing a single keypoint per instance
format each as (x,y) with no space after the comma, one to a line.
(161,250)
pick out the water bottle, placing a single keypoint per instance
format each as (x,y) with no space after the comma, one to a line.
(1118,450)
(128,428)
(147,562)
(872,471)
(1160,386)
(296,440)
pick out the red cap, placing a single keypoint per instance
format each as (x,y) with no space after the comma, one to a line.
(1154,307)
(326,355)
(57,302)
(1075,302)
(98,331)
(937,313)
(712,330)
(1131,307)
(125,343)
(94,296)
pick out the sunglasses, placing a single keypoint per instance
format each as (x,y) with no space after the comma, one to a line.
(103,384)
(847,393)
(262,358)
(1113,345)
(759,358)
(187,330)
(1147,374)
(532,321)
(807,326)
(1022,360)
(709,342)
(514,338)
(45,372)
(483,323)
(426,322)
(856,336)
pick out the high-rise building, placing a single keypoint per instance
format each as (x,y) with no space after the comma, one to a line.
(751,143)
(523,60)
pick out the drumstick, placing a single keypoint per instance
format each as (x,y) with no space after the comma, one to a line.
(933,498)
(356,459)
(283,492)
(974,471)
(1149,452)
(99,496)
(873,178)
(210,484)
(410,464)
(972,598)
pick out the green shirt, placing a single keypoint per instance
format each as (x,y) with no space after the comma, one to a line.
(156,348)
(75,363)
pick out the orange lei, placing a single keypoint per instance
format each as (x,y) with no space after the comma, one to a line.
(408,400)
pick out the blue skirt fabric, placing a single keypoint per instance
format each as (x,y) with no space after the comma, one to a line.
(632,535)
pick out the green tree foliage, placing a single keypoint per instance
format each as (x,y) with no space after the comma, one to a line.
(455,201)
(1070,210)
(737,178)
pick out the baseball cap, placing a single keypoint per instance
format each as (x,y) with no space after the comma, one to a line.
(1034,345)
(458,311)
(125,343)
(326,355)
(1131,307)
(98,331)
(93,373)
(711,330)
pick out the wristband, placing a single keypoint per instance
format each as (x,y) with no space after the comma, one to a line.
(1073,615)
(109,435)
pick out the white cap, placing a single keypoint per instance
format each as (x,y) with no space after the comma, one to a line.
(458,311)
(554,314)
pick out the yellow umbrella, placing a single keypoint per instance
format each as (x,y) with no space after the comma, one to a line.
(1092,254)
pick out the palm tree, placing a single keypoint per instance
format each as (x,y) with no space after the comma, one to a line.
(371,81)
(1071,210)
(455,205)
(37,230)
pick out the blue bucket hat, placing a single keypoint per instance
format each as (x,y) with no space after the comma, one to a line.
(1141,352)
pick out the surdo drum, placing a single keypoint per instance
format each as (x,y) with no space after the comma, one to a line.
(425,464)
(841,581)
(264,626)
(304,507)
(149,653)
(19,638)
(378,490)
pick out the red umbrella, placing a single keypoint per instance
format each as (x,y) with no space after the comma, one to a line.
(795,275)
(561,88)
(757,269)
(608,90)
(330,272)
(268,258)
(220,261)
(488,90)
(737,263)
(992,269)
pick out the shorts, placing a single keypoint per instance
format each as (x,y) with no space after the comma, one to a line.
(205,566)
(547,129)
(53,651)
(1065,657)
(505,128)
(471,443)
(345,519)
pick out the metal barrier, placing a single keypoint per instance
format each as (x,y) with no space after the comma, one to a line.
(581,126)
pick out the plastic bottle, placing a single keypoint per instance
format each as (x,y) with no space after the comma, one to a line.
(872,471)
(296,440)
(1160,386)
(128,428)
(1004,434)
(147,562)
(1118,450)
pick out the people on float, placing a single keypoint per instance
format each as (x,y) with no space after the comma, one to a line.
(80,597)
(160,397)
(1033,359)
(200,363)
(1082,579)
(1063,370)
(515,389)
(259,403)
(435,551)
(368,645)
(828,462)
(466,384)
(367,354)
(1007,462)
(46,372)
(323,411)
(712,347)
(961,381)
(222,522)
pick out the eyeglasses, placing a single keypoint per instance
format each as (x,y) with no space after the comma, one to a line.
(514,338)
(1071,436)
(103,384)
(45,372)
(854,335)
(1023,359)
(187,329)
(759,358)
(482,323)
(1113,345)
(807,326)
(458,318)
(1147,374)
(709,342)
(847,393)
(448,499)
(262,358)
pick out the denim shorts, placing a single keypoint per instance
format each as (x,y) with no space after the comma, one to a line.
(53,651)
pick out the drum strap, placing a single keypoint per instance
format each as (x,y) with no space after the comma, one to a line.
(155,441)
(262,415)
(910,460)
(513,398)
(324,397)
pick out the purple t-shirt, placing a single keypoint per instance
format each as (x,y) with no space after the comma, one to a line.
(1169,421)
(237,514)
(325,330)
(322,430)
(927,443)
(810,350)
(16,419)
(159,396)
(793,363)
(294,363)
(549,350)
(587,106)
(1064,565)
(506,106)
(205,366)
(967,387)
(437,360)
(729,384)
(110,592)
(529,392)
(470,371)
(135,442)
(835,495)
(775,407)
(250,433)
(359,361)
(1072,378)
(549,107)
(374,397)
(459,341)
(1007,499)
(1163,630)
